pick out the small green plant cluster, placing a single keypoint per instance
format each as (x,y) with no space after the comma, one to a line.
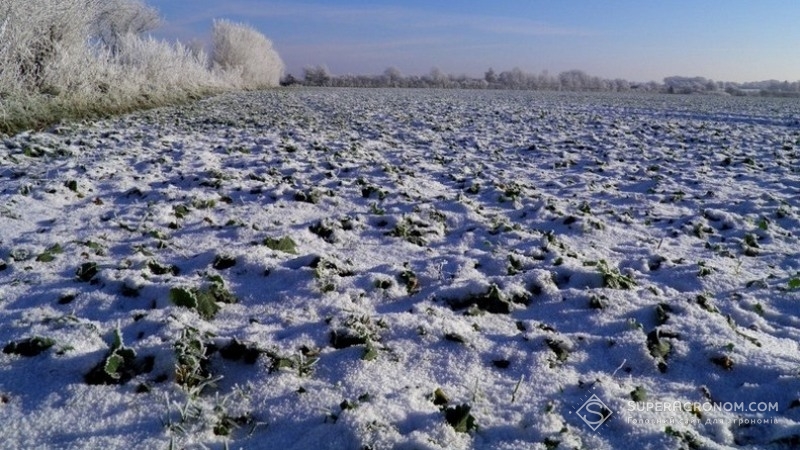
(367,191)
(324,229)
(224,423)
(660,347)
(157,268)
(221,414)
(192,361)
(751,246)
(206,300)
(302,363)
(612,278)
(358,330)
(639,394)
(284,244)
(560,348)
(492,301)
(511,192)
(686,437)
(87,271)
(704,269)
(50,254)
(119,365)
(32,346)
(223,262)
(409,279)
(459,417)
(312,196)
(413,231)
(326,272)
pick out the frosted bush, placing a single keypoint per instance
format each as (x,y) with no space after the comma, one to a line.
(76,58)
(163,65)
(37,33)
(242,50)
(119,18)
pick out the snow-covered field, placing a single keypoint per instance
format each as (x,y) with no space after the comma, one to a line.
(405,269)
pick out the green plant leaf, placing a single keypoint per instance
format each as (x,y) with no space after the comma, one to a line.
(159,269)
(659,348)
(113,365)
(117,343)
(86,271)
(181,211)
(216,279)
(45,257)
(206,305)
(284,244)
(222,295)
(370,353)
(183,297)
(410,280)
(460,419)
(492,301)
(96,247)
(204,301)
(639,394)
(222,262)
(50,254)
(440,398)
(29,347)
(559,348)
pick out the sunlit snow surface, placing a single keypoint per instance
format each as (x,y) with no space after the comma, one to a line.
(406,207)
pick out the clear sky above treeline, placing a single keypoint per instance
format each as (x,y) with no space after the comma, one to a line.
(639,40)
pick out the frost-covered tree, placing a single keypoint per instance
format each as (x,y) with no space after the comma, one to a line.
(117,18)
(574,80)
(392,77)
(515,79)
(687,85)
(36,34)
(436,78)
(316,76)
(490,76)
(242,50)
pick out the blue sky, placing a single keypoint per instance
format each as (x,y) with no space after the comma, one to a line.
(642,40)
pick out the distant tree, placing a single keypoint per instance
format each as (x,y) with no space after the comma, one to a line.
(316,76)
(620,85)
(510,79)
(490,76)
(437,78)
(574,80)
(687,85)
(546,81)
(393,77)
(289,80)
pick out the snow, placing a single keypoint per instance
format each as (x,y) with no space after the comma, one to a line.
(521,252)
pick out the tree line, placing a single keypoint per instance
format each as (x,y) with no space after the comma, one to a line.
(517,79)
